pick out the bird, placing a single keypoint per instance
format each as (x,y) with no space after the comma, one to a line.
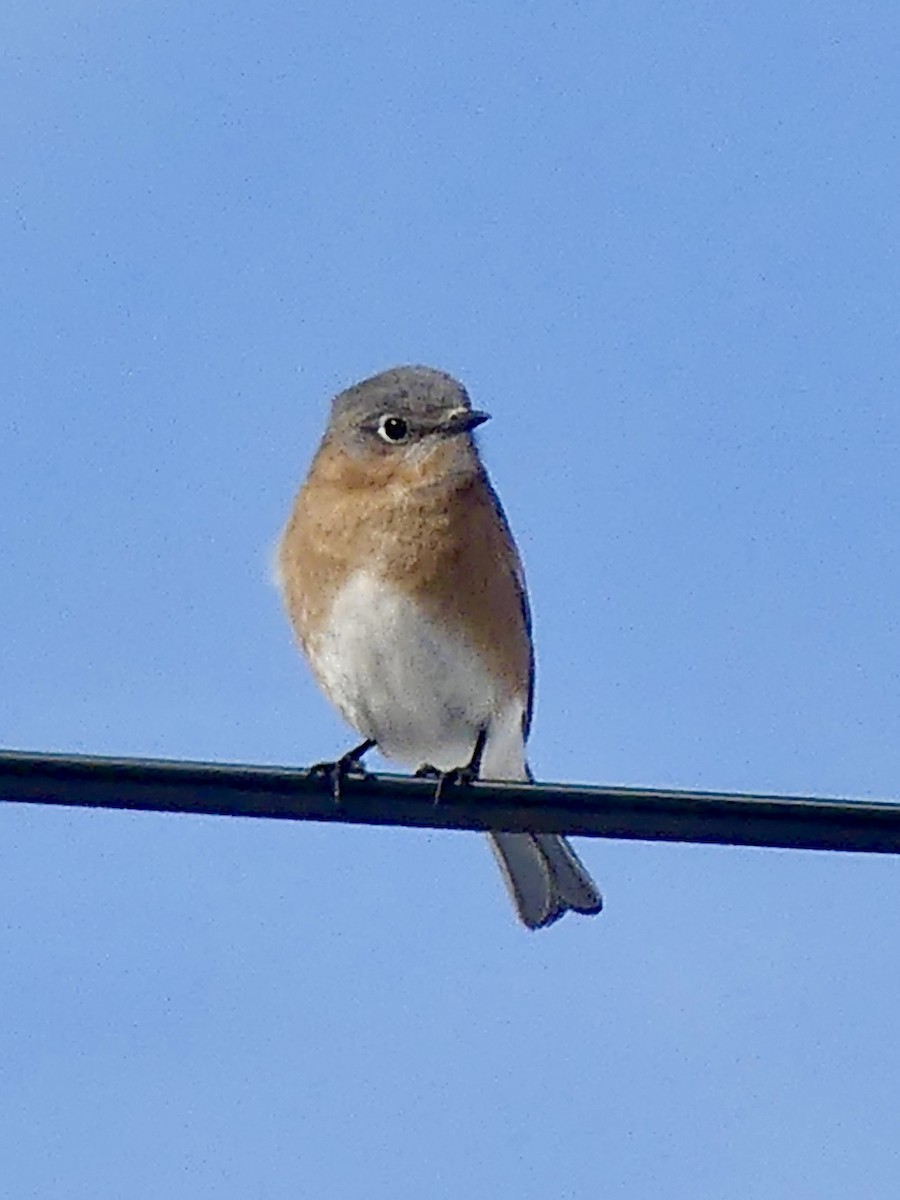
(405,590)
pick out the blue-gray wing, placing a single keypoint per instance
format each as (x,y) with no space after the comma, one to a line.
(524,606)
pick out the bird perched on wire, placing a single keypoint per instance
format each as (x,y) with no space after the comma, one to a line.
(404,587)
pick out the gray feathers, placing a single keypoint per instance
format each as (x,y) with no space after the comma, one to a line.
(418,393)
(545,877)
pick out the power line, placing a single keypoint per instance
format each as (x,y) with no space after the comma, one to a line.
(648,814)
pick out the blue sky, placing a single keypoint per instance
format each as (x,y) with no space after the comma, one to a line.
(660,243)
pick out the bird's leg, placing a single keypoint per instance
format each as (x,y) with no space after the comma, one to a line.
(458,776)
(347,764)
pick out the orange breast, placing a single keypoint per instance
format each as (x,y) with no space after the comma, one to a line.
(431,528)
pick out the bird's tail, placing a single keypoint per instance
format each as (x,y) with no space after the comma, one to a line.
(545,877)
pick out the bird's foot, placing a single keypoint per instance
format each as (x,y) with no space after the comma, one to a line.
(448,780)
(348,764)
(456,776)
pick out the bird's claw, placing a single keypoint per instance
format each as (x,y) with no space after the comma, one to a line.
(446,780)
(457,777)
(336,772)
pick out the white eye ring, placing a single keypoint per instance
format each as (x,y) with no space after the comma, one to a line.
(393,429)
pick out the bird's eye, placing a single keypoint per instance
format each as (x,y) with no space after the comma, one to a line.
(393,429)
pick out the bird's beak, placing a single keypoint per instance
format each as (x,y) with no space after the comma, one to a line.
(461,420)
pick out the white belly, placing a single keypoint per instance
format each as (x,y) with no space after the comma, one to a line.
(422,694)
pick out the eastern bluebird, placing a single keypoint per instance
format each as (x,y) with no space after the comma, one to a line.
(405,590)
